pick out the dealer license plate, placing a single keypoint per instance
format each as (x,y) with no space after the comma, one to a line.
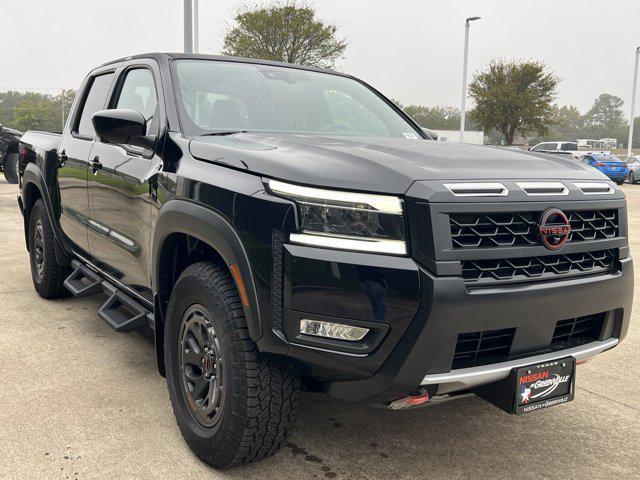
(544,385)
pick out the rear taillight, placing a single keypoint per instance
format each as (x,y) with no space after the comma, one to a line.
(22,151)
(600,164)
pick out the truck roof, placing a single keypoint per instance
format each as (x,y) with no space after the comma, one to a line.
(163,56)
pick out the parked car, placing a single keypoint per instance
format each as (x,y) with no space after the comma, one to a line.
(633,163)
(612,166)
(280,226)
(565,147)
(9,140)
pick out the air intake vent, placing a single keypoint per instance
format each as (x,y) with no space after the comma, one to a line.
(543,188)
(482,348)
(576,331)
(595,188)
(477,189)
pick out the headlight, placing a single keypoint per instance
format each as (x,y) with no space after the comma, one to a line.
(346,220)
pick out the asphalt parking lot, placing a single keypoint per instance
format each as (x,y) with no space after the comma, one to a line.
(79,401)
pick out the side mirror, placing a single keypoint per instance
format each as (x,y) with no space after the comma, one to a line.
(122,127)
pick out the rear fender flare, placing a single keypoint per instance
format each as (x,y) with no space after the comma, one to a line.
(32,178)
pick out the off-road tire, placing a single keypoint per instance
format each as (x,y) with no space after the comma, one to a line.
(49,279)
(10,168)
(261,393)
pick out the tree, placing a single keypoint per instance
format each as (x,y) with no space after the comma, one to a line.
(284,32)
(514,97)
(439,117)
(606,118)
(36,114)
(32,110)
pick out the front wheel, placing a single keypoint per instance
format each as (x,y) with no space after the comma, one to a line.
(632,178)
(11,168)
(233,404)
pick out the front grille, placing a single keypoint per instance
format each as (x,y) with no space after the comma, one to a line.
(576,331)
(482,348)
(490,230)
(535,268)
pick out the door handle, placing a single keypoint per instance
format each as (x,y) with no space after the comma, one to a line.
(95,165)
(62,158)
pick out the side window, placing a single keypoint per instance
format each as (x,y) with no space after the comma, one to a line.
(94,101)
(138,93)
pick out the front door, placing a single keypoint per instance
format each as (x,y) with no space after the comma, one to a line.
(121,187)
(73,152)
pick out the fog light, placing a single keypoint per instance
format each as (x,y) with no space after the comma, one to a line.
(332,330)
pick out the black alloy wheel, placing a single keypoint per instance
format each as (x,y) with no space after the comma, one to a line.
(201,366)
(38,251)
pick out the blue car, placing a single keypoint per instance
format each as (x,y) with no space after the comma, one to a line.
(613,167)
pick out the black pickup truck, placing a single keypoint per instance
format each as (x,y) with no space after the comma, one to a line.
(9,140)
(284,228)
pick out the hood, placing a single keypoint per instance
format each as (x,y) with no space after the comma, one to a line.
(385,165)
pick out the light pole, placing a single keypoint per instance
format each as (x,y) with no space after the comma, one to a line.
(463,112)
(188,27)
(633,102)
(196,26)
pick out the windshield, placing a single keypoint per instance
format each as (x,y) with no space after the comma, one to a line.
(219,96)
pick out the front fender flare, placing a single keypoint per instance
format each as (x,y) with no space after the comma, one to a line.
(210,227)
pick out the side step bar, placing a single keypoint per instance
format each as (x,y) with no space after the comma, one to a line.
(83,282)
(120,311)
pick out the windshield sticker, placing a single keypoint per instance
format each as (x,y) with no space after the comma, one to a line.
(410,135)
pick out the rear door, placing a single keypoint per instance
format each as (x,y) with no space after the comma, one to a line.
(74,150)
(122,186)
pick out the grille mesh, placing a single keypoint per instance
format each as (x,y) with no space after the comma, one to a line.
(490,230)
(577,330)
(481,348)
(526,268)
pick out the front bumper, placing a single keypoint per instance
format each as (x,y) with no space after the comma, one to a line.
(468,378)
(423,315)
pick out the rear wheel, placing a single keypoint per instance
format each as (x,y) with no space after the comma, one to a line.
(233,404)
(620,181)
(47,274)
(11,168)
(632,178)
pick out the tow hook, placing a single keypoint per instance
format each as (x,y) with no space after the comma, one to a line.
(419,397)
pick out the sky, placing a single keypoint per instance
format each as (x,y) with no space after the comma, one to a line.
(411,50)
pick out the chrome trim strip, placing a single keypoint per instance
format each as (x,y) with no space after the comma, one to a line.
(477,189)
(393,247)
(381,203)
(595,188)
(466,378)
(542,188)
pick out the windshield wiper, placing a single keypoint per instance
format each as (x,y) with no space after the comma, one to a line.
(222,133)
